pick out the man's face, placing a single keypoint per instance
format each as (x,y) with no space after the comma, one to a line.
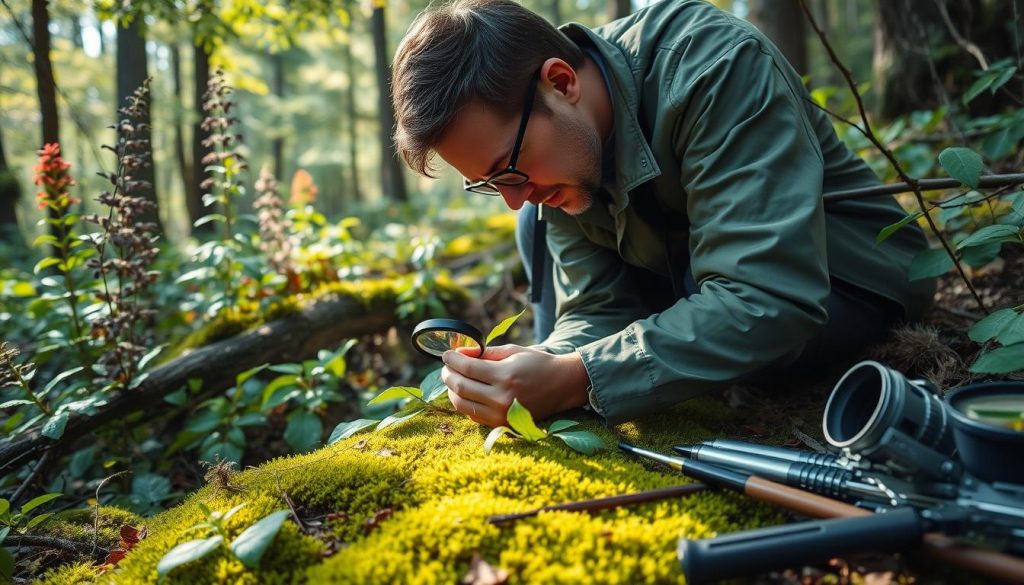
(560,153)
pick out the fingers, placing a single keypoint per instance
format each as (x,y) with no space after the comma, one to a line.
(478,413)
(468,388)
(484,370)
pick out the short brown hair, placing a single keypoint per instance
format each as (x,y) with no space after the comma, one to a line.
(463,51)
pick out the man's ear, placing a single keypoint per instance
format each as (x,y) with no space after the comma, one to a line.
(562,78)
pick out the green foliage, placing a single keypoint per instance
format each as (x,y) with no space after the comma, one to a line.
(1005,327)
(20,523)
(522,426)
(248,547)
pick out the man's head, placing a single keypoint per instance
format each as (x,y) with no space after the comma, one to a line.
(461,79)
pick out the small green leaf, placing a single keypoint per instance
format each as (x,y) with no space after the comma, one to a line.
(241,378)
(991,325)
(397,418)
(44,239)
(38,501)
(492,437)
(502,327)
(250,545)
(37,520)
(213,217)
(963,164)
(978,256)
(929,263)
(295,369)
(45,263)
(285,382)
(521,422)
(5,507)
(433,386)
(60,378)
(16,402)
(54,426)
(983,83)
(1002,360)
(303,430)
(396,392)
(187,552)
(583,441)
(144,360)
(561,425)
(151,487)
(990,234)
(234,510)
(892,229)
(347,429)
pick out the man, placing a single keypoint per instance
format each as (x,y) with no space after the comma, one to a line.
(679,165)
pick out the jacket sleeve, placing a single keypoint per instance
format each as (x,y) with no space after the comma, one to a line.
(751,173)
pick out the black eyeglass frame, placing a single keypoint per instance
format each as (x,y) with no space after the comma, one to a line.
(509,176)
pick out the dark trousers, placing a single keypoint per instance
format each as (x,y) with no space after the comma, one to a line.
(857,318)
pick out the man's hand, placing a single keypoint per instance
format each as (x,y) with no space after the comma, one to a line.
(483,387)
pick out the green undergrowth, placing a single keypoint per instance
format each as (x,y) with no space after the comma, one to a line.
(440,486)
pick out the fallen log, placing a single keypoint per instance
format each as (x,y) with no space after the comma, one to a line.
(325,324)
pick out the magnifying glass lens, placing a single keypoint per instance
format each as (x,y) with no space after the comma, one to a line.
(436,336)
(438,342)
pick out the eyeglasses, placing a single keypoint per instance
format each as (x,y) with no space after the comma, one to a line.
(509,176)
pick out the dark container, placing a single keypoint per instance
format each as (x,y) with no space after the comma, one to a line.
(988,451)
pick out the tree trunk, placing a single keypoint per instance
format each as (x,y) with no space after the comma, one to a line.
(392,179)
(903,79)
(618,8)
(76,31)
(353,119)
(194,196)
(10,192)
(277,147)
(132,72)
(290,339)
(782,21)
(46,87)
(184,167)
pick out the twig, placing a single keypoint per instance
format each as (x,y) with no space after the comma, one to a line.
(96,518)
(889,155)
(291,504)
(960,312)
(43,461)
(964,43)
(52,542)
(607,503)
(985,181)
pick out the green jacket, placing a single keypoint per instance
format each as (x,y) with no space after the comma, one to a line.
(717,146)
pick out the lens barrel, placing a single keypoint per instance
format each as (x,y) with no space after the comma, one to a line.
(875,412)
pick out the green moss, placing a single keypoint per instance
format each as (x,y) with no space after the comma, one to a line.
(78,525)
(432,473)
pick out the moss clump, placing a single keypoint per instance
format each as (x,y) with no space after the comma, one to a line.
(78,525)
(411,504)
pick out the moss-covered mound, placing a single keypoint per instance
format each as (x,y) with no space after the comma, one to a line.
(410,505)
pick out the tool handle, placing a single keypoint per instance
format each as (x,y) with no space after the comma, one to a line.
(757,551)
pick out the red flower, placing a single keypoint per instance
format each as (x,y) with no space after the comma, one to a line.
(53,176)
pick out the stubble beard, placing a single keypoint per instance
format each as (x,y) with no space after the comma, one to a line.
(589,182)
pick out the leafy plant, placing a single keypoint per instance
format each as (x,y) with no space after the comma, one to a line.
(310,385)
(521,425)
(126,249)
(19,523)
(248,547)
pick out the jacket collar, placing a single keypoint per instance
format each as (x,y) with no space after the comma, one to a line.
(634,161)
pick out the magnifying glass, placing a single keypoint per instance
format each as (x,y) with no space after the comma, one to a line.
(433,337)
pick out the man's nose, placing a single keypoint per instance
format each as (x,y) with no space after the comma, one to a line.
(516,195)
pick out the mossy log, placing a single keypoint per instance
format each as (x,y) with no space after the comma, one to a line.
(294,337)
(410,504)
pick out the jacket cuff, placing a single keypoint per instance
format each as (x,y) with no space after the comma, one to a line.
(619,385)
